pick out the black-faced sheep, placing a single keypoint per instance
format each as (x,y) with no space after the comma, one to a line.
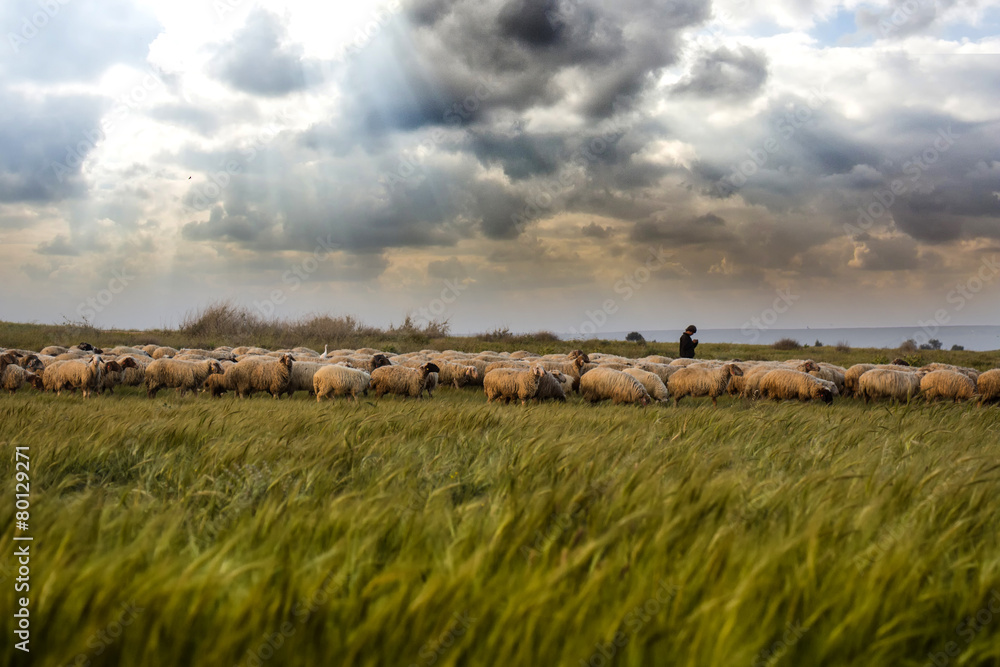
(402,380)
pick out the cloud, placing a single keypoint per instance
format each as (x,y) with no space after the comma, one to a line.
(259,60)
(59,245)
(725,73)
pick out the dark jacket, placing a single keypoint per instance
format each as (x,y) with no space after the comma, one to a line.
(687,346)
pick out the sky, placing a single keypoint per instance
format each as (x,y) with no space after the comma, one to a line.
(565,165)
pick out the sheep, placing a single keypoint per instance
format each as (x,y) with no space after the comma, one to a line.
(31,362)
(970,373)
(988,386)
(854,373)
(336,380)
(551,387)
(654,386)
(456,375)
(696,382)
(606,383)
(53,350)
(183,375)
(831,373)
(513,383)
(113,373)
(72,375)
(787,384)
(302,376)
(577,364)
(261,374)
(891,384)
(947,384)
(657,359)
(13,377)
(402,380)
(432,383)
(123,349)
(163,353)
(217,384)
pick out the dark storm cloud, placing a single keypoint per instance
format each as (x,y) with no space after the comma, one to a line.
(595,231)
(72,41)
(725,73)
(531,22)
(701,229)
(256,61)
(43,141)
(521,155)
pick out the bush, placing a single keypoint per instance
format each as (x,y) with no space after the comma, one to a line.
(842,346)
(907,347)
(957,348)
(817,343)
(635,337)
(787,344)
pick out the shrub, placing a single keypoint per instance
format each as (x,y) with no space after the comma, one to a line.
(907,347)
(957,348)
(842,346)
(787,344)
(880,359)
(635,337)
(817,343)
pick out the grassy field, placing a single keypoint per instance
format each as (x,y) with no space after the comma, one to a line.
(452,532)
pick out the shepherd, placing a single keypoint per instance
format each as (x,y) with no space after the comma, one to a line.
(687,343)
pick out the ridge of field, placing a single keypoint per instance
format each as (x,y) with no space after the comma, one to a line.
(454,532)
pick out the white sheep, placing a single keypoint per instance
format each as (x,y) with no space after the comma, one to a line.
(335,380)
(652,383)
(787,384)
(302,376)
(72,375)
(601,384)
(552,386)
(947,384)
(885,383)
(698,382)
(988,386)
(455,374)
(512,383)
(265,374)
(402,380)
(177,374)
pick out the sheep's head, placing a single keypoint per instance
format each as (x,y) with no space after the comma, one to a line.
(826,395)
(86,347)
(899,362)
(380,360)
(215,368)
(96,361)
(472,372)
(579,354)
(429,368)
(32,363)
(128,362)
(538,371)
(7,359)
(809,367)
(111,367)
(35,380)
(734,370)
(286,361)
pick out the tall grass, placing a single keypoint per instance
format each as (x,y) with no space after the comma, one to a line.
(452,532)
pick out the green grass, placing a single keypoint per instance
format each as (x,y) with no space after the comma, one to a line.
(452,532)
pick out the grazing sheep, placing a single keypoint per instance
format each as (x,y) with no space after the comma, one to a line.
(851,377)
(72,375)
(53,350)
(456,375)
(884,383)
(652,383)
(697,382)
(261,374)
(577,364)
(947,384)
(163,353)
(432,383)
(302,376)
(31,362)
(113,373)
(217,384)
(970,373)
(988,386)
(13,377)
(602,384)
(336,380)
(513,383)
(402,380)
(551,386)
(787,384)
(830,373)
(178,374)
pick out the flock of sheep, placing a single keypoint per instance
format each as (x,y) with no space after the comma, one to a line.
(520,376)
